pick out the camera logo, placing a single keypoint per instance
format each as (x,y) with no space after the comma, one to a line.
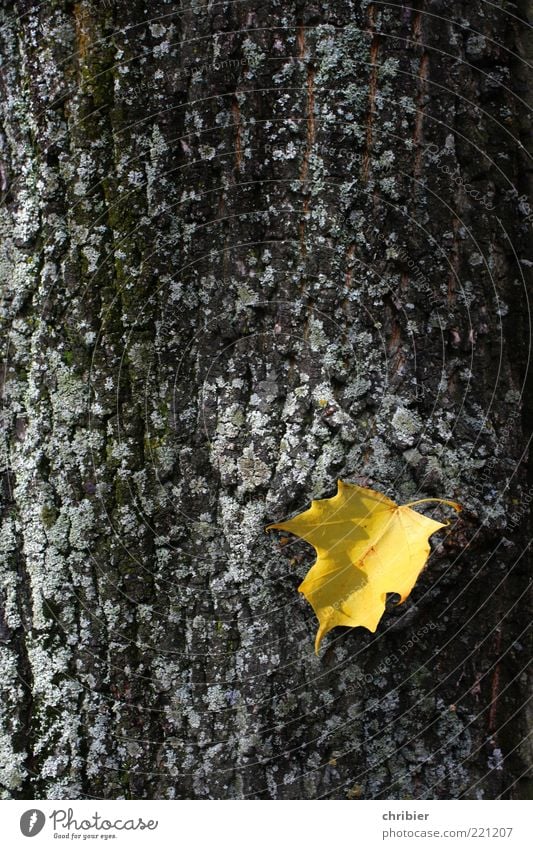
(32,822)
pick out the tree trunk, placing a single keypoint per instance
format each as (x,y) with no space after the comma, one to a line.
(247,252)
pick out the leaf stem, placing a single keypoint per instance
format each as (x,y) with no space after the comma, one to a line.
(438,500)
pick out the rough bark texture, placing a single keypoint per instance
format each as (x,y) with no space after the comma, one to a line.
(248,249)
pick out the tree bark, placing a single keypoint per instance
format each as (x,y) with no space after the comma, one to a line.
(249,249)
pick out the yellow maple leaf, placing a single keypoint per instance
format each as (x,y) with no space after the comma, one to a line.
(367,546)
